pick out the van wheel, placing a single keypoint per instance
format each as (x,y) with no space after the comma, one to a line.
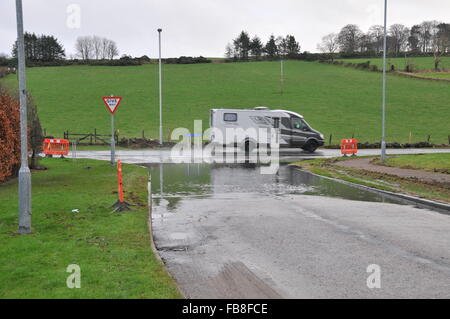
(310,146)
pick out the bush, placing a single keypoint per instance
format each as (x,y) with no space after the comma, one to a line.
(9,135)
(187,60)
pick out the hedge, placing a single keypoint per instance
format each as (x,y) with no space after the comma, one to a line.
(9,135)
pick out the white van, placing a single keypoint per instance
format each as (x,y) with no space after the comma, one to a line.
(291,127)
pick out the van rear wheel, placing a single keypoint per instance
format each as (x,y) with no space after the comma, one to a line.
(310,146)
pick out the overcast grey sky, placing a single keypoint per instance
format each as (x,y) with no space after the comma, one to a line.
(204,27)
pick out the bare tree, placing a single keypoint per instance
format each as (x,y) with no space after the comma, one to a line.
(97,47)
(329,44)
(112,50)
(104,54)
(443,37)
(84,47)
(281,45)
(399,37)
(376,34)
(35,132)
(414,38)
(364,43)
(229,51)
(426,32)
(90,47)
(348,38)
(440,42)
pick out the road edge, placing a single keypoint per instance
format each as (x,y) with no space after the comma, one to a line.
(152,241)
(416,201)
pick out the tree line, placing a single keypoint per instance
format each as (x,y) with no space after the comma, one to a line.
(46,50)
(428,38)
(40,48)
(244,48)
(95,47)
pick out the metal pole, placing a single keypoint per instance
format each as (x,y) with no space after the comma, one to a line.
(282,75)
(383,116)
(24,172)
(113,142)
(160,91)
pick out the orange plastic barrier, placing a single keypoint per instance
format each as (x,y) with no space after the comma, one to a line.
(55,147)
(349,146)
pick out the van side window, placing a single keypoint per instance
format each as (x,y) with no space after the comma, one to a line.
(276,122)
(299,124)
(286,122)
(230,117)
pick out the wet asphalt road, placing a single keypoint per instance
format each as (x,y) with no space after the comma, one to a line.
(165,156)
(231,232)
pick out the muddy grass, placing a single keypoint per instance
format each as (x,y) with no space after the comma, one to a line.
(415,185)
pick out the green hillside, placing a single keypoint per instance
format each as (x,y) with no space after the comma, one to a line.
(333,99)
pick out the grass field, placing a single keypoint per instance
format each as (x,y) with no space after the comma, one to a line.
(428,162)
(420,63)
(113,250)
(334,100)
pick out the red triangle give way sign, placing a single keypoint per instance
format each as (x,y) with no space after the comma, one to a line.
(112,103)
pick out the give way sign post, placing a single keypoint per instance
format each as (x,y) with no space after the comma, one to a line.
(112,103)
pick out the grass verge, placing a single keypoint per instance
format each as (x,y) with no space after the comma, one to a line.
(331,168)
(430,162)
(113,250)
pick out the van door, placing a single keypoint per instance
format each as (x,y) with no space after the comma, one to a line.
(300,132)
(286,131)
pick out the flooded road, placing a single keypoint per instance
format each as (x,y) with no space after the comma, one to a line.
(165,155)
(227,231)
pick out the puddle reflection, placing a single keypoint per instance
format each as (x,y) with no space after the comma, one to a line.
(173,182)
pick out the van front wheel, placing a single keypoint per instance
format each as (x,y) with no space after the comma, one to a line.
(310,146)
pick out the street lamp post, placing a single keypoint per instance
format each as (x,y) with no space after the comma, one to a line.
(24,172)
(160,91)
(383,115)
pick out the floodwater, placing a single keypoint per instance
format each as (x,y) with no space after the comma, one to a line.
(228,231)
(175,181)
